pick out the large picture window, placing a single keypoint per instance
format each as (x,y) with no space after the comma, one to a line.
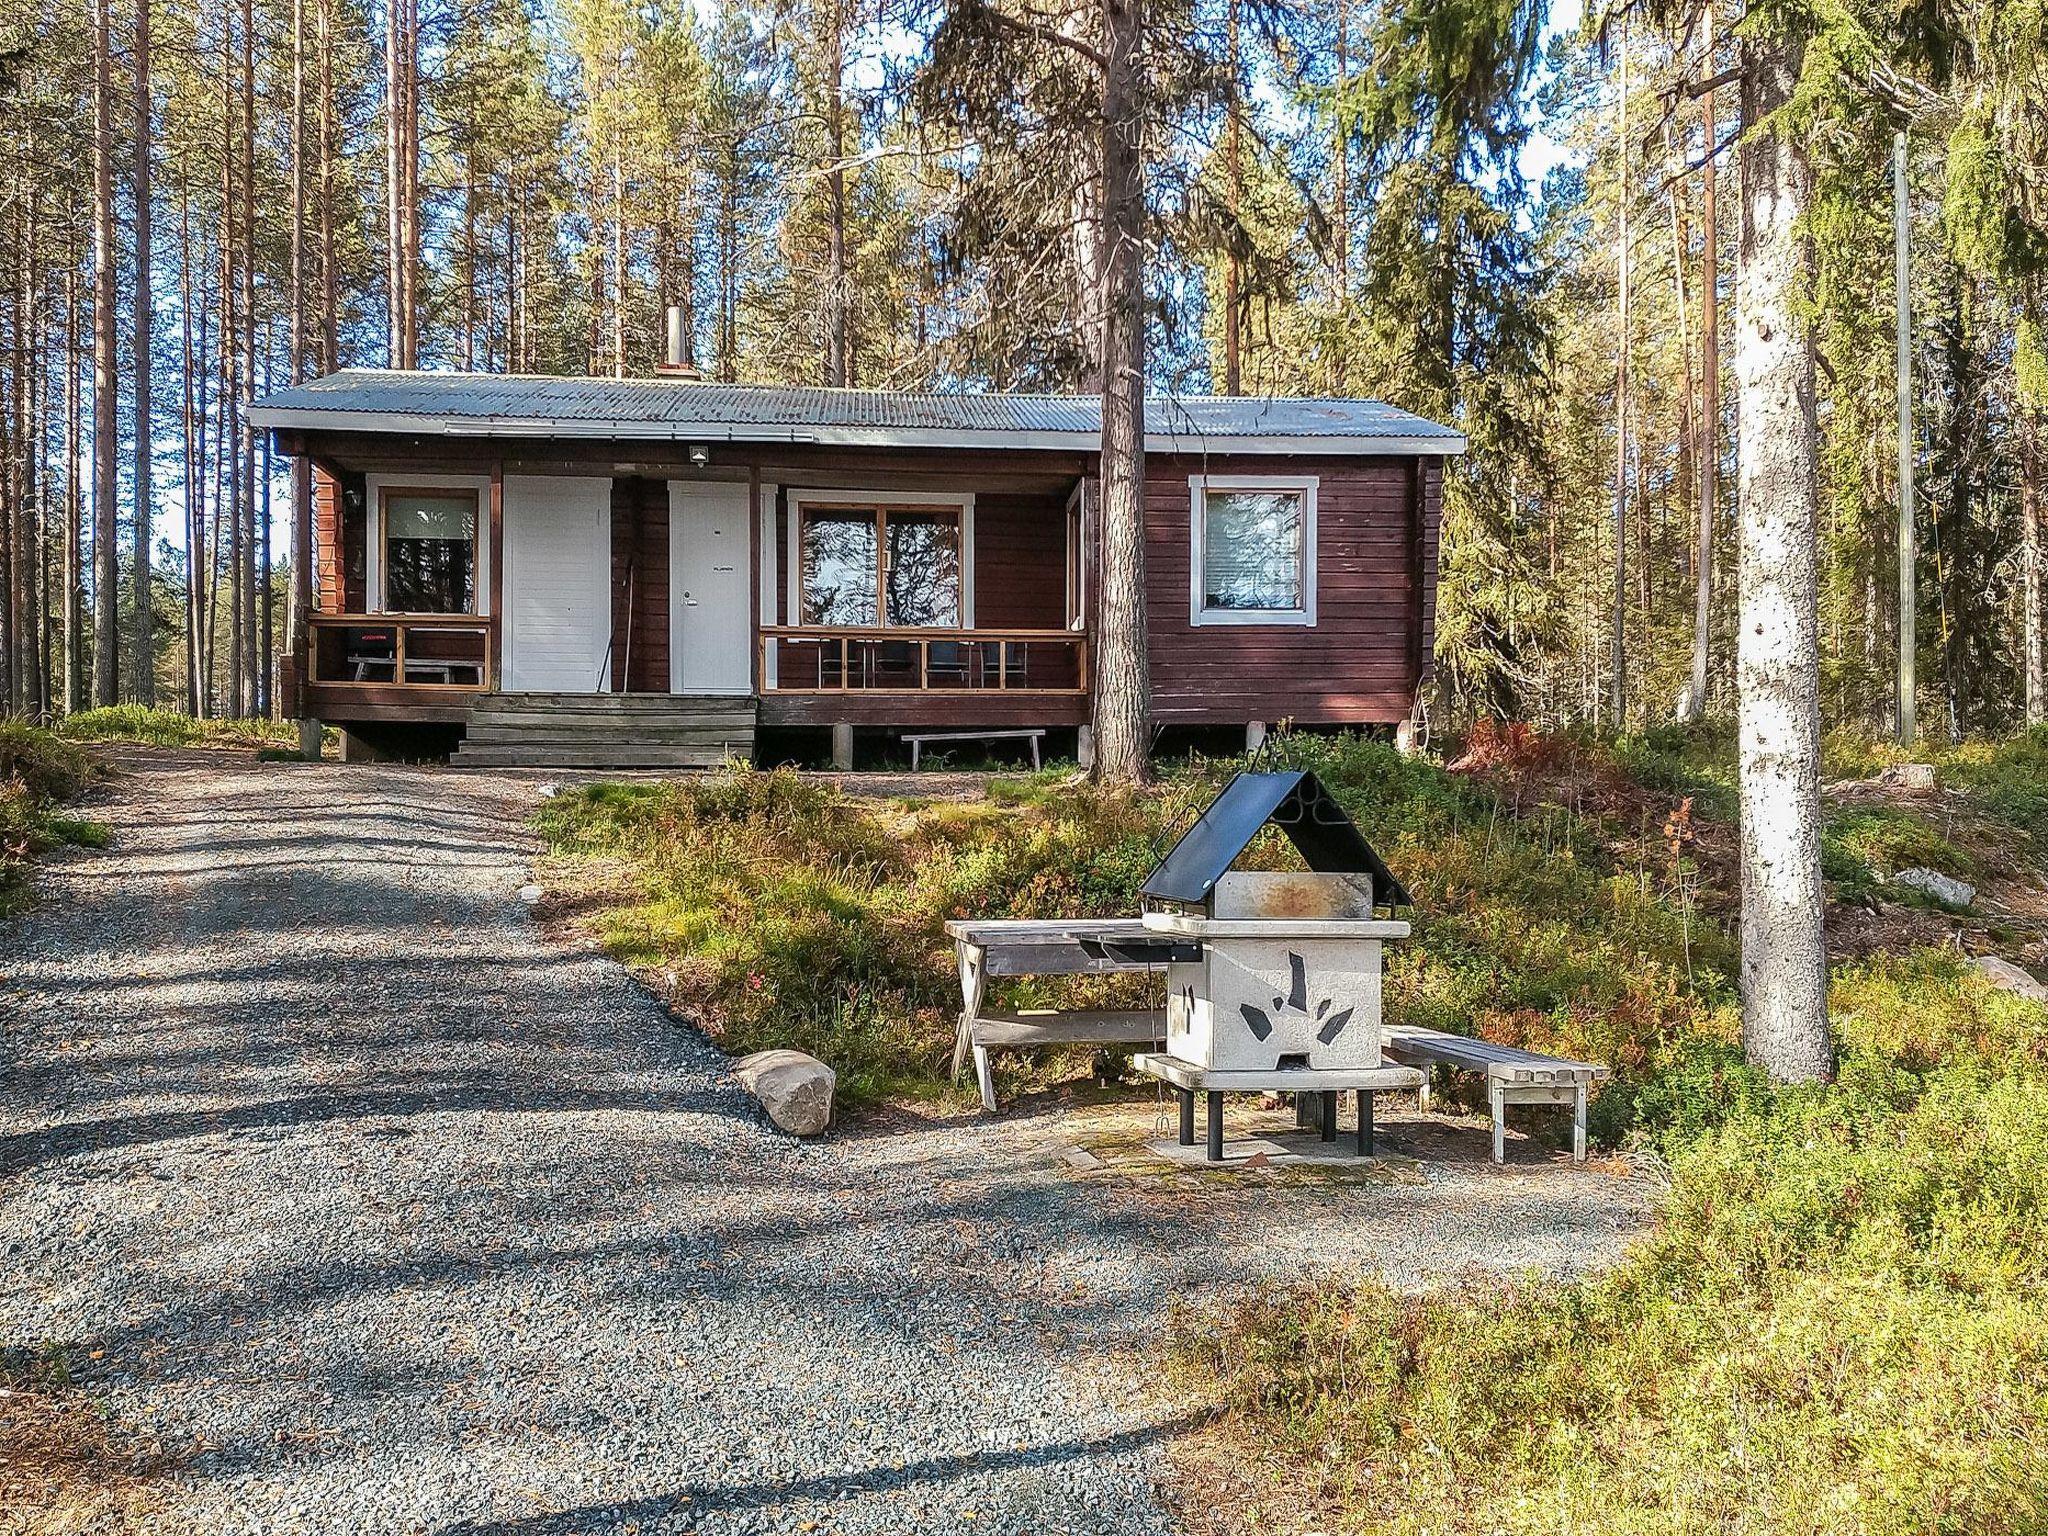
(429,559)
(1254,555)
(893,566)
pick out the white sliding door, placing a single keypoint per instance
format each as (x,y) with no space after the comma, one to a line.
(558,559)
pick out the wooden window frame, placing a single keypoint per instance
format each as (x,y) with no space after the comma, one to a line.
(1200,614)
(880,503)
(476,533)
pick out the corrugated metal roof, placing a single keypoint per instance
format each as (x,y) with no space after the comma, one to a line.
(497,405)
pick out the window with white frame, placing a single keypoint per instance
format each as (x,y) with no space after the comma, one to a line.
(1254,555)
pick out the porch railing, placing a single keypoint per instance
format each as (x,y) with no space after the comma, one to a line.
(860,659)
(405,650)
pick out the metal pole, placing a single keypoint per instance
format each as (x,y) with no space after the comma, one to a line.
(1902,279)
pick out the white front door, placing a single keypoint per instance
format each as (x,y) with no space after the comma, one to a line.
(558,567)
(711,644)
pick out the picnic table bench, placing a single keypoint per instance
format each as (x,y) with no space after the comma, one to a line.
(1513,1076)
(919,740)
(1052,947)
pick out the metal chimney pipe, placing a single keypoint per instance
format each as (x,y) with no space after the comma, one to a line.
(675,352)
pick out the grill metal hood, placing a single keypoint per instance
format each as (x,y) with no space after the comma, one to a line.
(1296,802)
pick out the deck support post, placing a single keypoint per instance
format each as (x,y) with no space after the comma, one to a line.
(1084,748)
(1365,1125)
(1327,1128)
(302,587)
(842,748)
(1187,1115)
(1254,736)
(495,670)
(309,738)
(1215,1148)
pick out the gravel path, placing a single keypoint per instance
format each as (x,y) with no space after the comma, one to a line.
(323,1164)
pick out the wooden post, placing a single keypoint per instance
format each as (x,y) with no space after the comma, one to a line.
(302,578)
(497,667)
(753,568)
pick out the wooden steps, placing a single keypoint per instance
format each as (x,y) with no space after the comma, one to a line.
(607,730)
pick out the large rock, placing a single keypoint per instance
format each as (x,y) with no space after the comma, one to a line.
(2007,977)
(795,1089)
(1946,889)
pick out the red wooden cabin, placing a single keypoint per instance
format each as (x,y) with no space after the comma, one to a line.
(673,557)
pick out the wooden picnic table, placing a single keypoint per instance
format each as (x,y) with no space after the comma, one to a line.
(1052,947)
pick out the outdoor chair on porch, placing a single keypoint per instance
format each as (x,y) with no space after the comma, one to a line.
(373,655)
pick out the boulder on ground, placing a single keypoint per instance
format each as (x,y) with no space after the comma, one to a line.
(1946,889)
(2007,977)
(795,1089)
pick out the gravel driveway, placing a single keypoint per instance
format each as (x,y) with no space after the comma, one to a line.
(324,1165)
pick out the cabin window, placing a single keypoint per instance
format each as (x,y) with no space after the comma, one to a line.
(1254,554)
(429,561)
(887,565)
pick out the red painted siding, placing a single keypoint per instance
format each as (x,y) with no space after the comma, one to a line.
(1357,663)
(640,564)
(1020,562)
(326,542)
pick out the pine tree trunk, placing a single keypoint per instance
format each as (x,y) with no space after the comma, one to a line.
(1123,688)
(394,186)
(74,496)
(13,458)
(1233,173)
(2031,470)
(255,647)
(193,458)
(1617,695)
(1709,452)
(106,425)
(837,362)
(144,617)
(618,283)
(1784,956)
(296,371)
(330,280)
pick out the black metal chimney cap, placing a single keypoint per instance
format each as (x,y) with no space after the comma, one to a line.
(1297,803)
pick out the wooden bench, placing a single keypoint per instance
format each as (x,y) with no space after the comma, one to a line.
(1056,947)
(920,739)
(1513,1076)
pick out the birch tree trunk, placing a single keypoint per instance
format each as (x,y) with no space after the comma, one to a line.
(1123,688)
(1784,957)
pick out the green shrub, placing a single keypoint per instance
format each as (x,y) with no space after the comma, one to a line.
(38,772)
(1840,1324)
(1865,845)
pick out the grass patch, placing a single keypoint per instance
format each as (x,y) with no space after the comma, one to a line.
(781,912)
(1863,846)
(38,773)
(65,1467)
(170,728)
